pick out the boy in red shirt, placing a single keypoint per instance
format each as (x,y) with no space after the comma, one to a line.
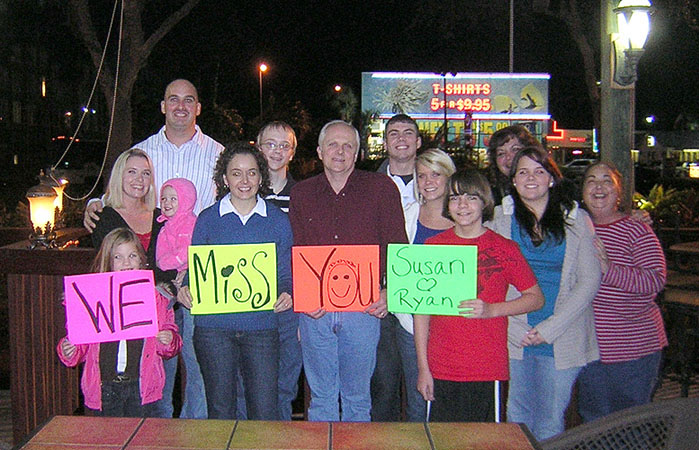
(460,357)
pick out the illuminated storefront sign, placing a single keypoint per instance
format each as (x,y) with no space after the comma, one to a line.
(479,132)
(694,170)
(487,96)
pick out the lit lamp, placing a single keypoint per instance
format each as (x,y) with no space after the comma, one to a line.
(42,213)
(633,25)
(58,186)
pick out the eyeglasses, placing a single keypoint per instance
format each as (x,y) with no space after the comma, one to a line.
(271,146)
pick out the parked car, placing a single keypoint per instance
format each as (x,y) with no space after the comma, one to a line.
(576,167)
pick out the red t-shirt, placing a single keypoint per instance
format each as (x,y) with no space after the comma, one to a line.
(461,349)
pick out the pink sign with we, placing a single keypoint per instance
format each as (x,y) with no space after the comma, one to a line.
(110,306)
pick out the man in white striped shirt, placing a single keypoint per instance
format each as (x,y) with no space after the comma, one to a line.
(179,150)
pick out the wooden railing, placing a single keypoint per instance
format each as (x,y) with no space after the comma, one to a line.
(40,385)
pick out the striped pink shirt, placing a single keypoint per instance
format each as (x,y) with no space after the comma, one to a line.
(627,319)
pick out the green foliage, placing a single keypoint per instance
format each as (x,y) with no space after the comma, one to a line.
(17,217)
(670,207)
(72,214)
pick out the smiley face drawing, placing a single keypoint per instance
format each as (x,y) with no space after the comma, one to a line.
(342,285)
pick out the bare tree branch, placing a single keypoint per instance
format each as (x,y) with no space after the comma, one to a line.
(82,22)
(135,50)
(167,25)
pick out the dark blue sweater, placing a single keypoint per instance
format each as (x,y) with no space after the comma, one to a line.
(212,229)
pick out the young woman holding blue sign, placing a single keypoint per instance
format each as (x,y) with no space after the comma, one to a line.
(461,357)
(248,342)
(549,347)
(120,379)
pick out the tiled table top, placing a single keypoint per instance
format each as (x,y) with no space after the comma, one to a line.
(87,433)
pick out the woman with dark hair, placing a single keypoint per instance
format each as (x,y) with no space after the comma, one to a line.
(502,148)
(548,347)
(247,342)
(629,325)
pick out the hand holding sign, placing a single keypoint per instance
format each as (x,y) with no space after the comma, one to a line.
(283,303)
(164,337)
(68,349)
(380,308)
(475,309)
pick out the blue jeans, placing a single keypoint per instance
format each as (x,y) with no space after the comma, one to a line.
(163,408)
(222,353)
(395,358)
(339,355)
(194,402)
(290,362)
(241,409)
(607,388)
(539,394)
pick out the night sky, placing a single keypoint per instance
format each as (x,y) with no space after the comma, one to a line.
(312,45)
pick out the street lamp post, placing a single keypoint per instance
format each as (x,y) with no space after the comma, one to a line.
(261,69)
(624,28)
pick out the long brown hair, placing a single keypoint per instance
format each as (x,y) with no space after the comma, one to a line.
(553,221)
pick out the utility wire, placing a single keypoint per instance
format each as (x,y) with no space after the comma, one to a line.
(86,109)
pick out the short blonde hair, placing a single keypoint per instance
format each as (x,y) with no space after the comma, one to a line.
(278,125)
(114,196)
(435,160)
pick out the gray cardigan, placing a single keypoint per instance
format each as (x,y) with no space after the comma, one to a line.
(571,328)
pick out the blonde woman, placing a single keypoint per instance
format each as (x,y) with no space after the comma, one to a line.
(423,219)
(130,201)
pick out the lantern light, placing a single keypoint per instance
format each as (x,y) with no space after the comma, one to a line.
(633,25)
(42,212)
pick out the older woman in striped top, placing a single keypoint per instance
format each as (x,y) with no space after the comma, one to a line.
(628,323)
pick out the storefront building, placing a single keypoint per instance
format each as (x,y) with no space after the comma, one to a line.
(469,106)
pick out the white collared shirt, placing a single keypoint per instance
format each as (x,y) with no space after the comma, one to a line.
(407,191)
(226,207)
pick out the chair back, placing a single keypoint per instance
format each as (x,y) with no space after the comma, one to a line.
(670,424)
